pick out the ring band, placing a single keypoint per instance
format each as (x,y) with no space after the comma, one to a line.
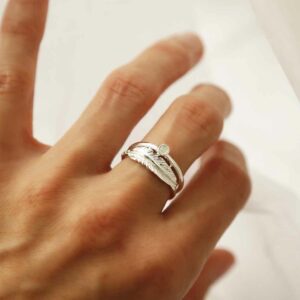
(158,160)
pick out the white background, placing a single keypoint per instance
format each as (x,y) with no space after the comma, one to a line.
(86,39)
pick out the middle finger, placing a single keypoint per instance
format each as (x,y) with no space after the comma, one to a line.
(123,99)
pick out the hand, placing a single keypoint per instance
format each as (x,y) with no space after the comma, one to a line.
(73,228)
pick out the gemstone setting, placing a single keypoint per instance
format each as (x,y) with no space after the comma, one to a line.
(163,149)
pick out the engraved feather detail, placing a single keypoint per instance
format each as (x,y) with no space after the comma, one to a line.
(159,161)
(155,163)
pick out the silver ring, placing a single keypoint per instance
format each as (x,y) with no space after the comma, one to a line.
(158,160)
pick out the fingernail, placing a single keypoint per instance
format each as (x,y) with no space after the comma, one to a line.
(193,42)
(188,37)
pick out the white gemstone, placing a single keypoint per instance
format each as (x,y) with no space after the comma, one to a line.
(163,149)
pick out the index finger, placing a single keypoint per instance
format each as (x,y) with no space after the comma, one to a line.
(21,32)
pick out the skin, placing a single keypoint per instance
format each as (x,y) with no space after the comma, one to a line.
(72,227)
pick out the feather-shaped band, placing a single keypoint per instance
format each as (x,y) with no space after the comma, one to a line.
(158,161)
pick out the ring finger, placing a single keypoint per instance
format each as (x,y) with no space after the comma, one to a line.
(191,124)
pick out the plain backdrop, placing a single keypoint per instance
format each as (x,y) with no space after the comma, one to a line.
(87,39)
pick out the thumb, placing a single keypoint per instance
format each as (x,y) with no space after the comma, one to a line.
(216,266)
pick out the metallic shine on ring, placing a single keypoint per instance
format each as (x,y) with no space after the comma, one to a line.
(158,160)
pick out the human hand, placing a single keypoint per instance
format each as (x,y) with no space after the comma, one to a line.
(73,228)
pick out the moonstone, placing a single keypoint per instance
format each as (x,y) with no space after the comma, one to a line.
(163,149)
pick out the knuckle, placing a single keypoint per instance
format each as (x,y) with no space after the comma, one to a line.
(233,177)
(101,229)
(158,274)
(198,116)
(222,147)
(22,28)
(127,84)
(13,82)
(37,202)
(73,157)
(42,191)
